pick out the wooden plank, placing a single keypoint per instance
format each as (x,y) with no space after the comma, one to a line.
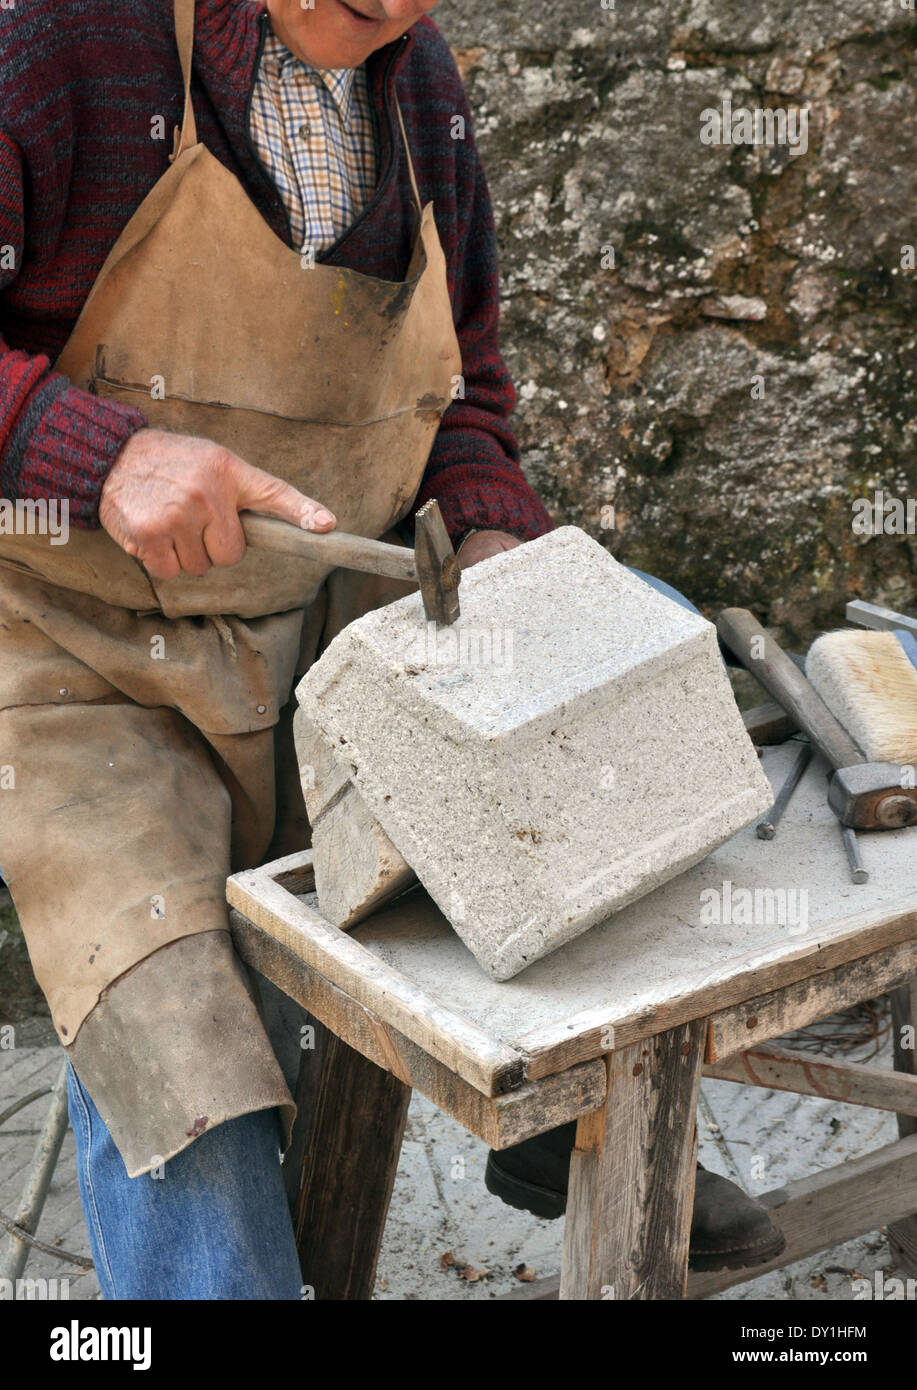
(500,1121)
(295,872)
(348,1170)
(832,1206)
(780,1069)
(485,1062)
(305,1093)
(903,1233)
(769,723)
(539,1106)
(580,1036)
(784,1010)
(632,1174)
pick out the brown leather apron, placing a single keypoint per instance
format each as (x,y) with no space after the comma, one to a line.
(140,716)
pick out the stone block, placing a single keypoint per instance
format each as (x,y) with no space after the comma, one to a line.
(568,745)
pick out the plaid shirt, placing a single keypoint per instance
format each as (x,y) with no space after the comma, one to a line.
(313,130)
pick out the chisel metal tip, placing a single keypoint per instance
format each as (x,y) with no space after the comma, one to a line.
(858,871)
(766,829)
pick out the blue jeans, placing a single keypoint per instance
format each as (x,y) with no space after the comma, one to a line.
(663,588)
(215,1225)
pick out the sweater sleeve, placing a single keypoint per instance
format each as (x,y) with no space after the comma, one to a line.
(56,441)
(473,470)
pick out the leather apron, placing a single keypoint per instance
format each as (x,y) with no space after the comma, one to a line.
(141,718)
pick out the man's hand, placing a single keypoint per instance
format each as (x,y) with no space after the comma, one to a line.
(173,502)
(483,544)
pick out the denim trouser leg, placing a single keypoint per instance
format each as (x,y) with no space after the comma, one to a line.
(729,660)
(666,589)
(215,1225)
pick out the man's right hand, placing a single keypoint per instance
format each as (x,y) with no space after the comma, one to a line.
(173,502)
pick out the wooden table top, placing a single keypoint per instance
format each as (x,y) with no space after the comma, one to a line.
(684,951)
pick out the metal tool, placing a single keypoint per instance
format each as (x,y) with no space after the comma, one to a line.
(858,872)
(863,795)
(879,619)
(766,829)
(432,563)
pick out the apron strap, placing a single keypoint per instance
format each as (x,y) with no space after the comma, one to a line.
(187,136)
(407,150)
(184,37)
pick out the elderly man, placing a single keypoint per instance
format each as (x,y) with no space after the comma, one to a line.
(224,289)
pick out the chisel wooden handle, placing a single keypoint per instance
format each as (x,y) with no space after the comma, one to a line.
(335,548)
(782,678)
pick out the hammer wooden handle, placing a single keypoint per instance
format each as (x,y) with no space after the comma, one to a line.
(432,564)
(335,548)
(782,678)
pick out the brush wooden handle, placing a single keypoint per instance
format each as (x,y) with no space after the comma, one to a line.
(335,548)
(783,679)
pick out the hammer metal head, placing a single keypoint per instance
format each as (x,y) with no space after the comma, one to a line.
(438,572)
(873,796)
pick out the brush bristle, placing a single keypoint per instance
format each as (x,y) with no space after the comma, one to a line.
(868,683)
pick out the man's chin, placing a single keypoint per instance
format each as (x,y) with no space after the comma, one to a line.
(326,56)
(341,40)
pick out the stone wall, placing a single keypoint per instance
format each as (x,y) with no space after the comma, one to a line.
(711,404)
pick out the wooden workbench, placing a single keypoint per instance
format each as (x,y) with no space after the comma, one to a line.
(614,1030)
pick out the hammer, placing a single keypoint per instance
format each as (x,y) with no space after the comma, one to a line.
(863,795)
(431,564)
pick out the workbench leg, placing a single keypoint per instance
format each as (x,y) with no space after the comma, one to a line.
(904,1027)
(632,1174)
(341,1165)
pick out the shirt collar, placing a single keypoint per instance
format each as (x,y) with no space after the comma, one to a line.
(338,81)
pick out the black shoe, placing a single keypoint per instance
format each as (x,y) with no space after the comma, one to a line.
(532,1176)
(730,1230)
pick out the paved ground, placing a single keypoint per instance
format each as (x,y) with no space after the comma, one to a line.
(441,1208)
(761,1139)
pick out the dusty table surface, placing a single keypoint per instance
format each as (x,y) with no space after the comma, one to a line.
(660,954)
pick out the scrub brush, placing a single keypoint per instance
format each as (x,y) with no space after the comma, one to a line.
(868,680)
